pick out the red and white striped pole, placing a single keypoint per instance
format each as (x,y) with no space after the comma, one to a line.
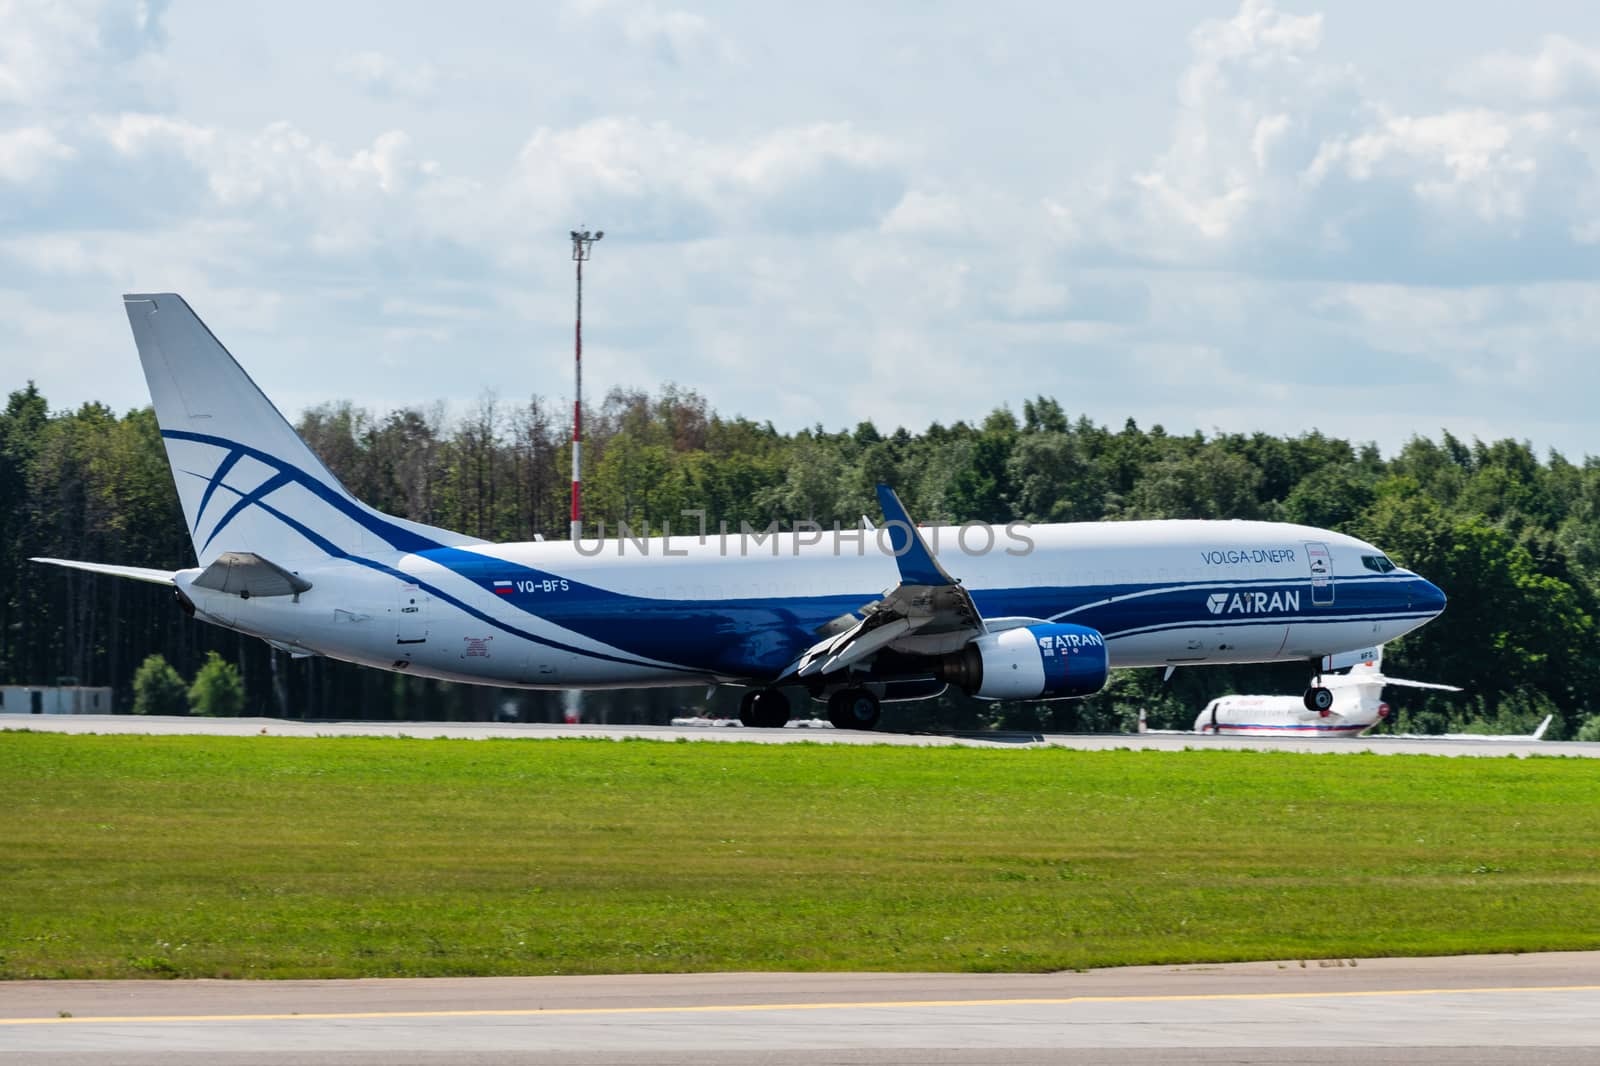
(581,242)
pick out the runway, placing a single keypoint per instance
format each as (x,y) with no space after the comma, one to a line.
(821,733)
(1502,1009)
(1472,1009)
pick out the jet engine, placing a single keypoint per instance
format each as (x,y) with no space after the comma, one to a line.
(1045,661)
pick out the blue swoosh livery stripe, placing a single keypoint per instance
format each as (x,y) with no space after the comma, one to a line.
(289,473)
(397,537)
(211,487)
(256,495)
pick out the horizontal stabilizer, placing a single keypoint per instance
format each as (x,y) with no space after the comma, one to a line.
(1403,683)
(136,573)
(247,574)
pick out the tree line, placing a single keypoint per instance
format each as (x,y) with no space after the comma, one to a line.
(1511,536)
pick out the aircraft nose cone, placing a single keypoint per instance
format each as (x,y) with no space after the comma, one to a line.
(1428,596)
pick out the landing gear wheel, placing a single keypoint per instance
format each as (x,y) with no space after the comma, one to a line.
(853,708)
(764,708)
(1319,699)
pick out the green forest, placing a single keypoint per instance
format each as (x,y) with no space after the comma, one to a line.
(1511,536)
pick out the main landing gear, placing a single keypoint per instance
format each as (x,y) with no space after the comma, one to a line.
(853,708)
(764,708)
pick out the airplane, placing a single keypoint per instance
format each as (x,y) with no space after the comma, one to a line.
(850,617)
(1357,705)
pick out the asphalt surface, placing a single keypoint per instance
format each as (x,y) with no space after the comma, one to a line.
(815,732)
(1471,1009)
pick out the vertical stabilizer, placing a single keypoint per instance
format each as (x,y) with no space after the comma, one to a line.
(246,480)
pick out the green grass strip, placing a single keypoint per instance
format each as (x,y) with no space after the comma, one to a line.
(127,856)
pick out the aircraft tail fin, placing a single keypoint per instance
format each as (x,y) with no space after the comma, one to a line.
(246,480)
(1538,734)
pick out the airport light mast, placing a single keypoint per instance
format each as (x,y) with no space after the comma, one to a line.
(582,242)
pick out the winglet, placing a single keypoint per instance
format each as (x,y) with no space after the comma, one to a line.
(917,564)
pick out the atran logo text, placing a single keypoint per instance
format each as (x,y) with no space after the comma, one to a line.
(1275,602)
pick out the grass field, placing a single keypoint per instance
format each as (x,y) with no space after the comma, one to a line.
(127,856)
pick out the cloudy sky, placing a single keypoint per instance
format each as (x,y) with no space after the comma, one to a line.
(1376,219)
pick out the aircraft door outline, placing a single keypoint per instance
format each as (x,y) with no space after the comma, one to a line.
(1321,563)
(411,616)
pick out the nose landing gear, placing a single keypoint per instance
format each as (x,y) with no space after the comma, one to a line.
(1318,697)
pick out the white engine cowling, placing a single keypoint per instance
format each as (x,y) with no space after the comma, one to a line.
(1047,661)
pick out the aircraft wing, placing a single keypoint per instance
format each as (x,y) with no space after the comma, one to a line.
(928,612)
(1411,684)
(136,573)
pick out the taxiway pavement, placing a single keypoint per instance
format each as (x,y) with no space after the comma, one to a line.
(1524,1009)
(820,733)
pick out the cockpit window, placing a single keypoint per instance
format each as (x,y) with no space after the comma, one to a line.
(1378,563)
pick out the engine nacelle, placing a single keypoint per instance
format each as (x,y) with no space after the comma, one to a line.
(1047,661)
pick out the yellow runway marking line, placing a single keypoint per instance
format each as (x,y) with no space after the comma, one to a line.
(747,1008)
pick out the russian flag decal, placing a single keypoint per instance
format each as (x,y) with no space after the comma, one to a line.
(503,588)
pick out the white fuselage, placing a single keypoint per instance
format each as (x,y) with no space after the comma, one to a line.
(688,611)
(1356,709)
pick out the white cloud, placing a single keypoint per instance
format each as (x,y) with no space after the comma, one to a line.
(29,152)
(922,214)
(71,50)
(384,76)
(1268,129)
(671,36)
(1478,162)
(279,167)
(1281,160)
(799,153)
(1232,139)
(662,183)
(677,37)
(1562,71)
(134,134)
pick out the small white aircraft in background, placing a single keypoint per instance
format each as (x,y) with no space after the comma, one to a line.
(1356,707)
